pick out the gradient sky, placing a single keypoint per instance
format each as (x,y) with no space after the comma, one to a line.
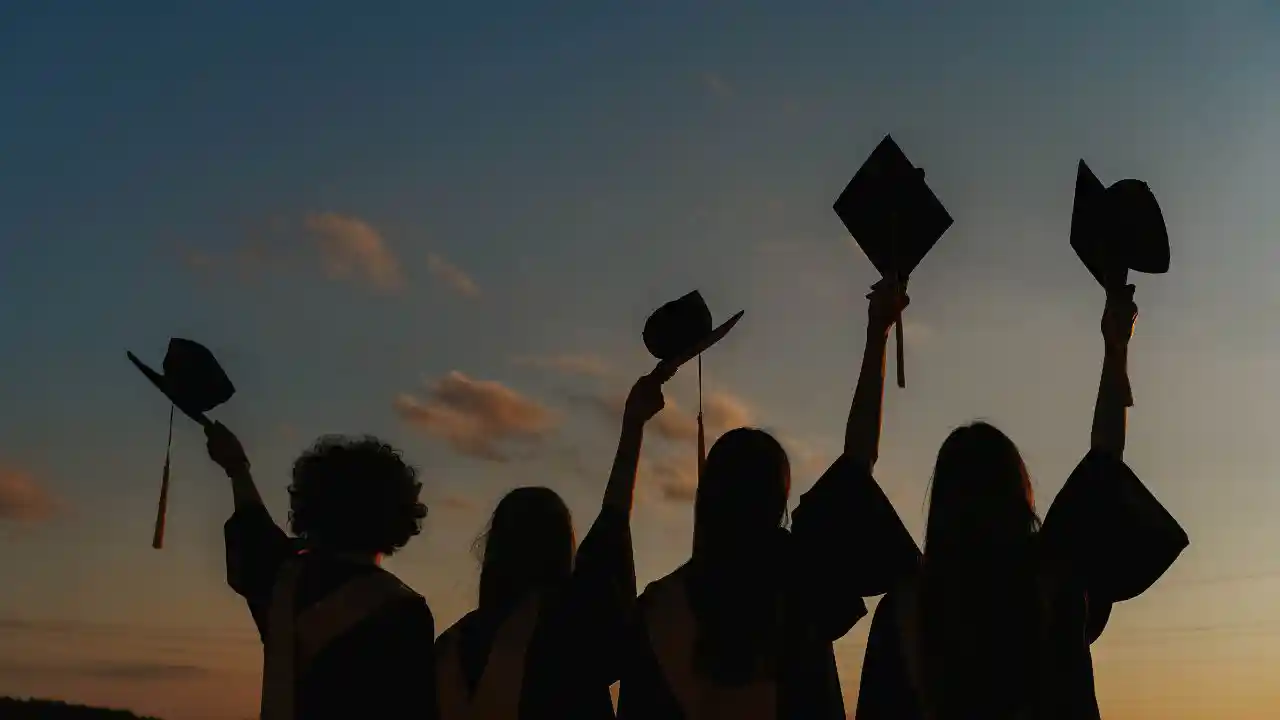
(349,208)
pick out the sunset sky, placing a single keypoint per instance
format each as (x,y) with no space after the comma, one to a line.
(446,227)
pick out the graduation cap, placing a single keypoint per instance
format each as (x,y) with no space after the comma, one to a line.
(678,332)
(894,217)
(1117,229)
(195,383)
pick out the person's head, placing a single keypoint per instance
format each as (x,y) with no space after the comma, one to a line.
(742,495)
(355,495)
(529,544)
(981,493)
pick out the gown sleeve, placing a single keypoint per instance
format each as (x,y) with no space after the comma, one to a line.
(884,692)
(1111,533)
(849,543)
(256,547)
(602,595)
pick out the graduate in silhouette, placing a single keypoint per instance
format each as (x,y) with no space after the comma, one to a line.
(544,641)
(342,637)
(997,621)
(744,629)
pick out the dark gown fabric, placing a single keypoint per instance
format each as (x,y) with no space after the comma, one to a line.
(573,655)
(1105,539)
(846,542)
(384,667)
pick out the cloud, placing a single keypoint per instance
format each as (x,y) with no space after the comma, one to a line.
(807,460)
(917,333)
(716,85)
(452,275)
(117,671)
(22,499)
(456,502)
(587,365)
(721,410)
(675,476)
(475,417)
(353,250)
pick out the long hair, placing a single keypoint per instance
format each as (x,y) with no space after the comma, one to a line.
(979,601)
(738,513)
(528,545)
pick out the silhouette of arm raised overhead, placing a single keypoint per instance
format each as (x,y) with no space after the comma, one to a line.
(1109,531)
(255,545)
(644,401)
(1114,394)
(862,433)
(602,591)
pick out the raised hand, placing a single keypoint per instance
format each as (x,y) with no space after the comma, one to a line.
(225,449)
(886,306)
(1119,317)
(645,399)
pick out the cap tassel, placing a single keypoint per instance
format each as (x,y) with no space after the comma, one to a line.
(702,437)
(157,540)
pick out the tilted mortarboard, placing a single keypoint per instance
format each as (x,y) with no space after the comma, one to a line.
(195,383)
(679,331)
(894,217)
(1117,229)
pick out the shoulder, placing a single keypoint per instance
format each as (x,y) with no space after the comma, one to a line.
(657,589)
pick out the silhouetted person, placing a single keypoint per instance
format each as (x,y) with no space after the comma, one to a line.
(744,629)
(545,639)
(342,637)
(998,620)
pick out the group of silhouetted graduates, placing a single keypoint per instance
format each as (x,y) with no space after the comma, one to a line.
(993,620)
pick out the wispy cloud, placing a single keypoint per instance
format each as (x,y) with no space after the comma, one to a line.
(352,249)
(22,498)
(477,417)
(587,365)
(118,671)
(456,502)
(675,475)
(721,411)
(715,85)
(452,275)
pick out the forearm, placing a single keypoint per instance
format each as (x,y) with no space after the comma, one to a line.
(1110,413)
(243,490)
(862,433)
(620,492)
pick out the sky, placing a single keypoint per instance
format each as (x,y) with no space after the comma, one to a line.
(445,224)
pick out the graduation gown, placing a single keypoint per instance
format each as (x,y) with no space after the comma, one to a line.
(1105,539)
(845,543)
(556,653)
(378,663)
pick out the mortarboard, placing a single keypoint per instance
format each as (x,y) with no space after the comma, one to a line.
(195,383)
(678,332)
(1117,229)
(893,215)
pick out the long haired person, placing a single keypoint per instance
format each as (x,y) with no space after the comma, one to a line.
(744,628)
(998,620)
(543,641)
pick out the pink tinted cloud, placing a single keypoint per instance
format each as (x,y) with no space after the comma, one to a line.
(22,498)
(351,249)
(477,418)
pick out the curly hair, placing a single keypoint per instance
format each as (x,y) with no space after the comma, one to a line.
(355,495)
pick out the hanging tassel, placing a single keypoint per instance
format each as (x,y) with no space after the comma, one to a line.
(702,437)
(157,540)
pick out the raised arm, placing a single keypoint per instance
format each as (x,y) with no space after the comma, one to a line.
(225,450)
(644,401)
(862,433)
(1114,395)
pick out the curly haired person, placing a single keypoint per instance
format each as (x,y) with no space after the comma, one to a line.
(342,637)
